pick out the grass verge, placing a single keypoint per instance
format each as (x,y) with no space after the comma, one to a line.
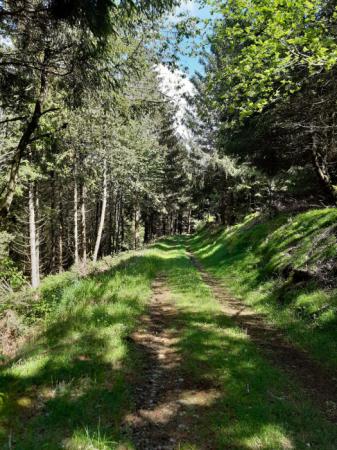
(256,406)
(285,269)
(68,388)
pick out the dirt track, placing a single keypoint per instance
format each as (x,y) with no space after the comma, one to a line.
(318,383)
(166,404)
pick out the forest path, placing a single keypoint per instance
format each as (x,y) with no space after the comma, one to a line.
(319,384)
(163,415)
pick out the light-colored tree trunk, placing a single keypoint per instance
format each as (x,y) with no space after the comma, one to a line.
(102,218)
(76,254)
(60,232)
(84,225)
(60,245)
(33,238)
(136,234)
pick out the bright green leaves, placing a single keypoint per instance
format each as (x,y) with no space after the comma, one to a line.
(260,48)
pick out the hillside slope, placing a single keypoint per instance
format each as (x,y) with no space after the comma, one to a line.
(285,268)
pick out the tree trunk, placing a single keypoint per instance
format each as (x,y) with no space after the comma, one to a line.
(76,253)
(322,170)
(147,229)
(102,218)
(189,221)
(7,194)
(53,225)
(223,201)
(33,238)
(60,232)
(136,235)
(83,224)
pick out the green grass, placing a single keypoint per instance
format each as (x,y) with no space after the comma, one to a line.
(69,387)
(257,406)
(252,259)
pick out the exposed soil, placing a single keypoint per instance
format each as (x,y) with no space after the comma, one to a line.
(166,405)
(317,382)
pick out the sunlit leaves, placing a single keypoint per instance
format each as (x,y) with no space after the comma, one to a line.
(260,49)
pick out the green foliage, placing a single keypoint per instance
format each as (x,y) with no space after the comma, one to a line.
(262,48)
(10,276)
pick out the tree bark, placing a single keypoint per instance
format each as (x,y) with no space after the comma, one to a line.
(223,201)
(102,218)
(76,253)
(60,231)
(136,235)
(83,224)
(322,170)
(33,238)
(8,192)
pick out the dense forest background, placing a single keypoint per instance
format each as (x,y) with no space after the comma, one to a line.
(91,161)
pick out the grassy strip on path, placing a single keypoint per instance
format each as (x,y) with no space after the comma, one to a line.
(257,407)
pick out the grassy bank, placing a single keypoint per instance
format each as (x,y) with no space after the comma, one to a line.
(255,406)
(72,385)
(285,268)
(68,387)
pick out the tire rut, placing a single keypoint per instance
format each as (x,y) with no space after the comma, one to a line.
(319,384)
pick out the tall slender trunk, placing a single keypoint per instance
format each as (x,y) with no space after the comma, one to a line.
(109,240)
(189,213)
(136,235)
(164,225)
(53,224)
(76,253)
(33,238)
(7,195)
(223,200)
(83,224)
(102,218)
(122,225)
(118,222)
(322,170)
(147,228)
(60,232)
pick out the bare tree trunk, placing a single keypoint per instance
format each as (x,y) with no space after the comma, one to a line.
(118,224)
(102,218)
(76,254)
(60,233)
(322,170)
(7,194)
(33,239)
(136,235)
(223,200)
(189,213)
(83,224)
(53,225)
(60,245)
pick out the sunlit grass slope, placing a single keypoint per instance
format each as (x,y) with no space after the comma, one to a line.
(285,268)
(237,399)
(68,388)
(71,386)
